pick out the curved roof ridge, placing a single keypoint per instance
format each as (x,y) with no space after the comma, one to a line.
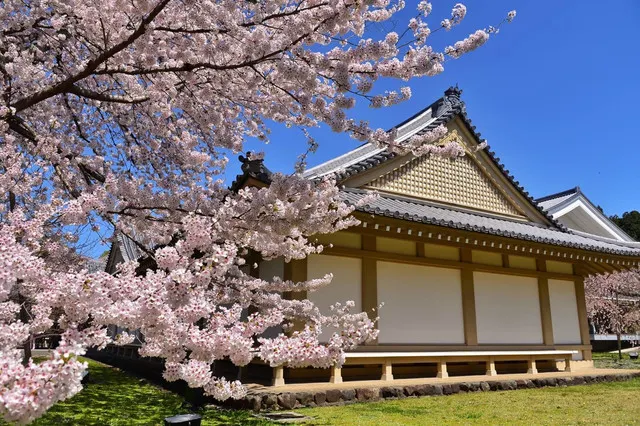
(574,190)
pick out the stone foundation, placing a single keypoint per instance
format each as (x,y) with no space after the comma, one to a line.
(272,399)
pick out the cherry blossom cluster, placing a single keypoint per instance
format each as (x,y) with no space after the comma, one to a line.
(613,301)
(457,15)
(117,118)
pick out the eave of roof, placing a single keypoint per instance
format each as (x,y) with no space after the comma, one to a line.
(424,212)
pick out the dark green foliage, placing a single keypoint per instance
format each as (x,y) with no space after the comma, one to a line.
(629,223)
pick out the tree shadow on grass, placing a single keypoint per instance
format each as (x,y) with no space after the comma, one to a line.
(111,397)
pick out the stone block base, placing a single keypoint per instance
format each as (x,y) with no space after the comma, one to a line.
(266,400)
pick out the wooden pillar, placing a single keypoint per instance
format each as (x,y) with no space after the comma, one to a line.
(567,364)
(442,369)
(545,304)
(296,270)
(336,374)
(582,317)
(369,283)
(387,370)
(278,376)
(491,367)
(468,300)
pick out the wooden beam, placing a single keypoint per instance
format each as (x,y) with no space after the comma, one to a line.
(449,237)
(582,317)
(369,283)
(599,269)
(584,269)
(545,304)
(607,267)
(441,263)
(296,270)
(468,301)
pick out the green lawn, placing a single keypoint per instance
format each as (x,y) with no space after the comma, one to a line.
(112,397)
(616,403)
(607,360)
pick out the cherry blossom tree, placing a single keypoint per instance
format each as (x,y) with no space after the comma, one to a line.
(117,116)
(613,303)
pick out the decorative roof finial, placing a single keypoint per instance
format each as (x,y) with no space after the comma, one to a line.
(451,101)
(252,167)
(453,92)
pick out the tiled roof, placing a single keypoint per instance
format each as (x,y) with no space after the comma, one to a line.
(130,250)
(428,213)
(549,201)
(440,112)
(339,163)
(554,203)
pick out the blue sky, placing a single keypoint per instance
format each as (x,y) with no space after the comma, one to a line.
(555,94)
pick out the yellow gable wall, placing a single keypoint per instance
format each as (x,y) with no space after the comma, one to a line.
(459,182)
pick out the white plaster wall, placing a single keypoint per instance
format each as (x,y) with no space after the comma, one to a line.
(346,283)
(564,312)
(421,304)
(394,245)
(486,257)
(507,309)
(271,268)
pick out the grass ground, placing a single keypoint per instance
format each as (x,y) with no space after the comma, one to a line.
(114,398)
(608,360)
(616,403)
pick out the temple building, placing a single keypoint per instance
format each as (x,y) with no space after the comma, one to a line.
(473,272)
(476,276)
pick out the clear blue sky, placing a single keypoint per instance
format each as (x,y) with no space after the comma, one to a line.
(555,94)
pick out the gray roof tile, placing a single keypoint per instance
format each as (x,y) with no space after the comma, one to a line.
(424,212)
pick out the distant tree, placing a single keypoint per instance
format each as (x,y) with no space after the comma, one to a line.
(613,303)
(629,222)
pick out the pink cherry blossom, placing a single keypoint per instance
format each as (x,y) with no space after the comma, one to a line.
(118,118)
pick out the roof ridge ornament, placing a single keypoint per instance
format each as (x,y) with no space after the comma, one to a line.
(253,165)
(451,101)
